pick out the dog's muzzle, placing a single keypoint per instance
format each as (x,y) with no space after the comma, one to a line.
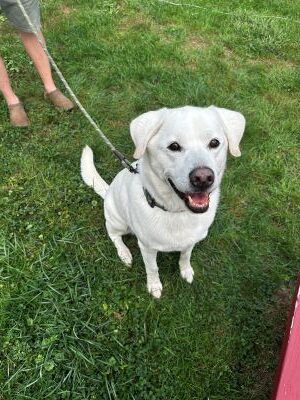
(197,201)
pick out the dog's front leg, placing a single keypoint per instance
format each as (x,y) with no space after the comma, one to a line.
(186,270)
(153,282)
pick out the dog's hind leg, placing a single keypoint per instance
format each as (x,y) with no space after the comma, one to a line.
(115,235)
(186,270)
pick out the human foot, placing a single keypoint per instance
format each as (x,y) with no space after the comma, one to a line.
(17,115)
(59,100)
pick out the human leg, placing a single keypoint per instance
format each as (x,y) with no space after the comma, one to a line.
(39,58)
(5,86)
(17,113)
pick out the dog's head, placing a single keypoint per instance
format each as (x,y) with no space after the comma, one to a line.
(187,147)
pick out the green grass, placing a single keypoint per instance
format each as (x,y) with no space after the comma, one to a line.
(75,322)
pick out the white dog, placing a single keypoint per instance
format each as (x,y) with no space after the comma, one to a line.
(170,204)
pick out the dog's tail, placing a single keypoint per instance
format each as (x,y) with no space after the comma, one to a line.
(89,173)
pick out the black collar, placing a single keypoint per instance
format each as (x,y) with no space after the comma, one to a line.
(151,200)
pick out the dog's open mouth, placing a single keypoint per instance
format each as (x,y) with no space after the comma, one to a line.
(197,202)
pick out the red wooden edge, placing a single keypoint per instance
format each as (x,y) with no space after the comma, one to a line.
(284,350)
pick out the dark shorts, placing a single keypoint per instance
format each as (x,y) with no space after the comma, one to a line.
(14,14)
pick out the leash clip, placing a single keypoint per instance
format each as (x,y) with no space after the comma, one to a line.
(126,163)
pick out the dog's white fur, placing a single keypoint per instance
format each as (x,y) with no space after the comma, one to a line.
(178,228)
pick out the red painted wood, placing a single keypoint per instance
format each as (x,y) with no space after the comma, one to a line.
(287,384)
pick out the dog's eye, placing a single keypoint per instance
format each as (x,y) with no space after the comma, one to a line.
(214,143)
(174,147)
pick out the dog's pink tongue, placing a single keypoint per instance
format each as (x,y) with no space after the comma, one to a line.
(200,198)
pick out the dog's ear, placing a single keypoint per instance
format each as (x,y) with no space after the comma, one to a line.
(234,126)
(143,128)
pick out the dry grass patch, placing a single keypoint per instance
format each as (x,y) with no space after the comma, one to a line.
(196,42)
(273,62)
(66,10)
(133,21)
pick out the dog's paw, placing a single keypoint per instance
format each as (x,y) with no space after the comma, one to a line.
(125,256)
(187,274)
(155,288)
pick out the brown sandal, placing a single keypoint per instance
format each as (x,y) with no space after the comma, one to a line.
(59,100)
(18,116)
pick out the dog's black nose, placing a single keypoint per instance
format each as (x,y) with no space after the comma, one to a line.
(202,178)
